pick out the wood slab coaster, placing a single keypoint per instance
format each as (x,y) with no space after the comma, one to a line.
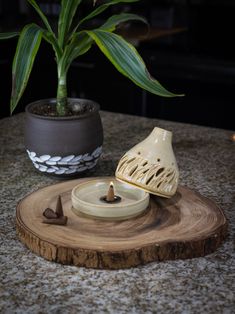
(187,225)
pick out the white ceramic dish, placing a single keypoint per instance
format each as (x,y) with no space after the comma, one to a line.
(86,199)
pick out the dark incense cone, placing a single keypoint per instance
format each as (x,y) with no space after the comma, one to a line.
(49,213)
(56,221)
(57,217)
(59,207)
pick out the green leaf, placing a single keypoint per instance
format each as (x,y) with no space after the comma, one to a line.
(8,35)
(127,61)
(27,48)
(114,20)
(68,10)
(41,14)
(102,8)
(80,44)
(50,38)
(50,35)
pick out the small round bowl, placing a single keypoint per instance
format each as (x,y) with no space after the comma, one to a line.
(86,199)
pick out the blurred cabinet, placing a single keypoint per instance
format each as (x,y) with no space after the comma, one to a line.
(199,62)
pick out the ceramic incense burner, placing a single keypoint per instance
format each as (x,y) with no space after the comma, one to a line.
(151,165)
(105,200)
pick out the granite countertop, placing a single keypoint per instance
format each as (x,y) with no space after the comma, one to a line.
(30,284)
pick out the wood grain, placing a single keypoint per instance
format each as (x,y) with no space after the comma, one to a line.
(187,225)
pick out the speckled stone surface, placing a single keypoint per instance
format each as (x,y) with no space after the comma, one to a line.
(30,284)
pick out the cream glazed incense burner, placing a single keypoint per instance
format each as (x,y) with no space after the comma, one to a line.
(151,165)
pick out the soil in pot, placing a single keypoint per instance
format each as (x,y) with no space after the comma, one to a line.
(75,108)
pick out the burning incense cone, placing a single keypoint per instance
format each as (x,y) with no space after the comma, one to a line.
(110,195)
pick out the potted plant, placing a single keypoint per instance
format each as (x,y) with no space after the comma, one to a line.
(63,136)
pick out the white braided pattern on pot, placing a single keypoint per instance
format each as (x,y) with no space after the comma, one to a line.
(65,165)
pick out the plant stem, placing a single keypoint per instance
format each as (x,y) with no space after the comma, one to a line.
(62,101)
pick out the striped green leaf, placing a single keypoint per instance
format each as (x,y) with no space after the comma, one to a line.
(102,8)
(27,48)
(8,35)
(49,35)
(79,45)
(68,10)
(127,61)
(50,38)
(80,42)
(41,14)
(113,21)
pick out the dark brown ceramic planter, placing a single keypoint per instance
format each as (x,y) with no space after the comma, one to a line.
(64,146)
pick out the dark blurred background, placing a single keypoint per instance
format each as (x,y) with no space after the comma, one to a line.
(189,48)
